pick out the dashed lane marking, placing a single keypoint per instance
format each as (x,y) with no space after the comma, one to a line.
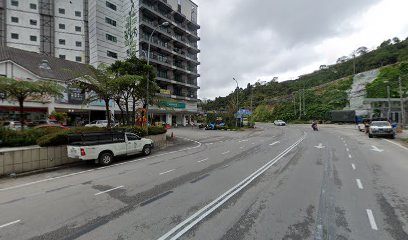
(10,223)
(96,194)
(167,171)
(371,219)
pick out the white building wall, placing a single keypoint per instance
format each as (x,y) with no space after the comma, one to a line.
(69,34)
(23,28)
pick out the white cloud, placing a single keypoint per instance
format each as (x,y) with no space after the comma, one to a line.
(260,39)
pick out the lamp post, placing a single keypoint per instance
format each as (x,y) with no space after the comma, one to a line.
(236,120)
(164,24)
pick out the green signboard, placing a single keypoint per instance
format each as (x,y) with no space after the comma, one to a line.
(172,105)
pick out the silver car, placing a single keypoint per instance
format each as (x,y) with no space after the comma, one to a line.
(13,125)
(381,129)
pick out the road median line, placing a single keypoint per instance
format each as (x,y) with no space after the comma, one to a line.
(194,219)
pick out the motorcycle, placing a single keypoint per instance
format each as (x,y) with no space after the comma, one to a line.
(314,126)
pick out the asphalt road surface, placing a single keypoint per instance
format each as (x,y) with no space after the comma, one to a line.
(268,183)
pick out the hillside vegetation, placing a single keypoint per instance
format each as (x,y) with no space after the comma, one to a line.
(325,89)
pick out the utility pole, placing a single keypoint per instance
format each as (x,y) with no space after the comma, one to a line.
(300,105)
(294,103)
(304,103)
(389,103)
(252,90)
(402,103)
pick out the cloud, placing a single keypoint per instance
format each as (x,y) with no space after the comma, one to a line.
(259,39)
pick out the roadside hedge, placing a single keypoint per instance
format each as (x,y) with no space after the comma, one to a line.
(13,138)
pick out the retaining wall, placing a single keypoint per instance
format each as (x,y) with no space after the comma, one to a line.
(26,159)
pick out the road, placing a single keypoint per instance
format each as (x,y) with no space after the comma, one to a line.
(268,183)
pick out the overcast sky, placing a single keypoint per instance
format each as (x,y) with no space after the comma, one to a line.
(259,39)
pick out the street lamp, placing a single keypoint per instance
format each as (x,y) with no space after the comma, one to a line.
(164,24)
(236,120)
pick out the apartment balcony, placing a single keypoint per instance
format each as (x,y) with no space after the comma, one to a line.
(169,18)
(154,58)
(178,97)
(177,38)
(172,81)
(170,50)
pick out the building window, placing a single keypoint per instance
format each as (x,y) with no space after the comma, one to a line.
(78,59)
(78,29)
(14,36)
(61,11)
(62,56)
(33,22)
(78,14)
(111,5)
(61,41)
(112,54)
(33,38)
(78,44)
(14,19)
(110,21)
(33,6)
(111,38)
(61,26)
(14,3)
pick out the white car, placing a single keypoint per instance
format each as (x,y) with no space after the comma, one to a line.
(104,146)
(279,123)
(98,123)
(381,128)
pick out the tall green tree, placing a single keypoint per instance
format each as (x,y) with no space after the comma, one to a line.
(99,86)
(137,70)
(21,90)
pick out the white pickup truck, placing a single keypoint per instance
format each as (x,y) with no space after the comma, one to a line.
(104,146)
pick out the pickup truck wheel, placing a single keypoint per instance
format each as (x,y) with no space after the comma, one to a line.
(370,135)
(392,136)
(105,159)
(146,150)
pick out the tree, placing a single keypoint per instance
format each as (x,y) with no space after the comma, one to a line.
(342,59)
(396,40)
(21,90)
(59,116)
(99,86)
(361,51)
(139,69)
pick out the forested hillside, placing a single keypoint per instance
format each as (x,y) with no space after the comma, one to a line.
(323,90)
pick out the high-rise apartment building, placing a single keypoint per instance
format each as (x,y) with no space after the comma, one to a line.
(103,31)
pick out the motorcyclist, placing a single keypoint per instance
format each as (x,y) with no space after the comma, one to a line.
(314,126)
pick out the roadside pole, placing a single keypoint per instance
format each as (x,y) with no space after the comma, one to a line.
(389,103)
(402,103)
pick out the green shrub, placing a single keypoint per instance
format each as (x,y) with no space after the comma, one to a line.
(13,138)
(153,130)
(139,131)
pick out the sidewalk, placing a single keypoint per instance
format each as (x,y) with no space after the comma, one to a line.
(403,134)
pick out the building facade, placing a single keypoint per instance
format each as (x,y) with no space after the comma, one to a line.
(100,32)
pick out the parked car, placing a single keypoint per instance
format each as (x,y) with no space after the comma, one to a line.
(59,126)
(279,123)
(104,146)
(42,122)
(381,128)
(13,125)
(98,123)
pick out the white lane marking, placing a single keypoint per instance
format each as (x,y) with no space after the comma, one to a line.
(371,219)
(274,143)
(167,171)
(243,141)
(348,150)
(203,160)
(96,194)
(253,143)
(399,145)
(320,146)
(359,184)
(221,141)
(10,223)
(353,166)
(374,148)
(241,147)
(349,155)
(100,168)
(225,152)
(190,222)
(209,143)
